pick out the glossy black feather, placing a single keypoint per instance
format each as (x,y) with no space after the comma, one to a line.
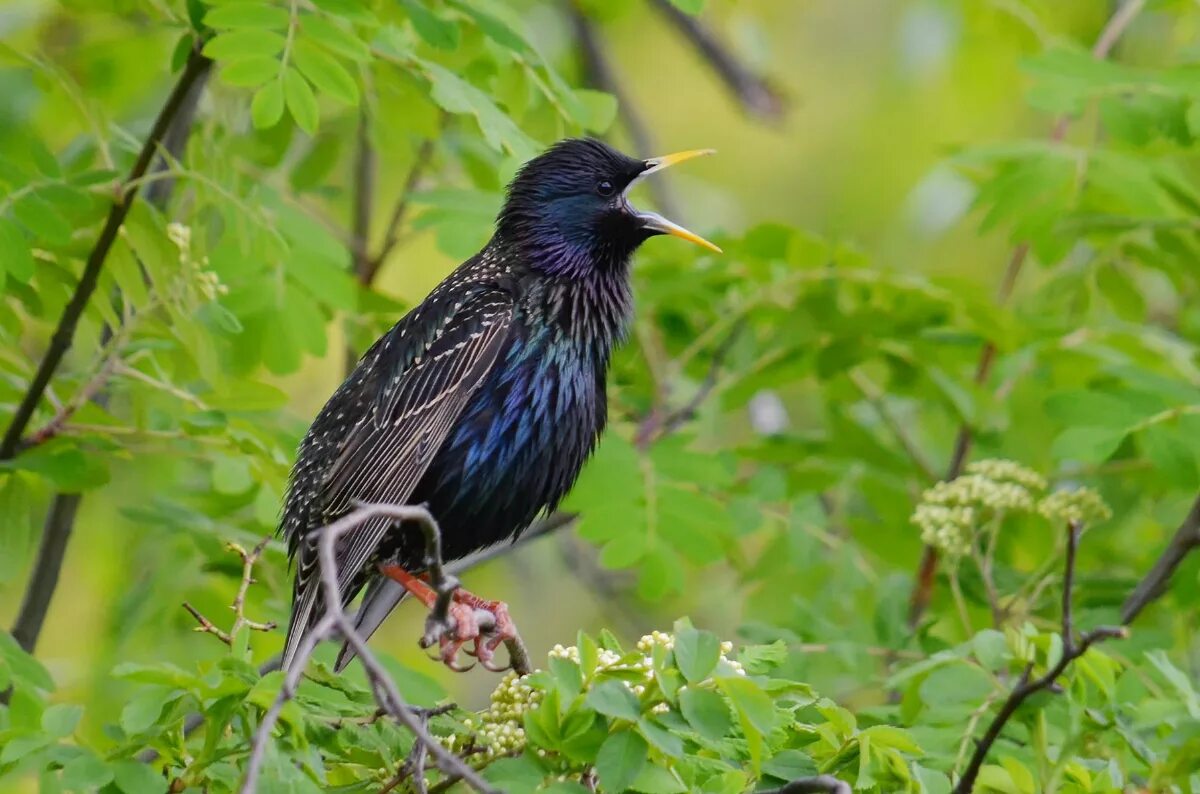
(485,401)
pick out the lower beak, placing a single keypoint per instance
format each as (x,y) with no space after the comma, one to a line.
(657,223)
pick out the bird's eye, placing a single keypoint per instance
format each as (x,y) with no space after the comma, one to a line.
(605,188)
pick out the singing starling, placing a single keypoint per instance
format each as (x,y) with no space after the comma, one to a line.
(483,402)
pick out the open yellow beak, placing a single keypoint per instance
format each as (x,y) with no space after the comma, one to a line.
(656,222)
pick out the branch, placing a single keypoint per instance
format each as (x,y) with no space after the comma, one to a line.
(364,199)
(660,424)
(64,334)
(873,396)
(177,118)
(927,570)
(240,621)
(337,623)
(821,784)
(599,73)
(392,236)
(1154,583)
(754,94)
(1072,649)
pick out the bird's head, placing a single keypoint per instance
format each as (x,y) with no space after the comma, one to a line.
(568,209)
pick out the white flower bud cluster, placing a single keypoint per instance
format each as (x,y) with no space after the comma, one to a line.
(950,513)
(1008,471)
(1082,505)
(499,730)
(208,283)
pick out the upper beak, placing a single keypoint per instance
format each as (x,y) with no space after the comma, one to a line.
(656,222)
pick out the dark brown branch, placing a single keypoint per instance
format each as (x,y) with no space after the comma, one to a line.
(927,570)
(1073,647)
(60,518)
(821,784)
(391,237)
(599,73)
(1185,540)
(753,93)
(64,334)
(364,198)
(336,622)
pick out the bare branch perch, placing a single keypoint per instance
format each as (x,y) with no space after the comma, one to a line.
(1072,648)
(927,569)
(337,623)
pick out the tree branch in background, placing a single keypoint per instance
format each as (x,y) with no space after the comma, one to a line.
(598,72)
(240,621)
(1185,540)
(821,784)
(336,623)
(753,93)
(927,570)
(64,334)
(1073,647)
(170,131)
(661,423)
(391,237)
(875,397)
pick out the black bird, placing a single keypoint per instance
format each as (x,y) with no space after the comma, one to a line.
(484,402)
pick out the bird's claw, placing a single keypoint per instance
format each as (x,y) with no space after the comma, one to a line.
(463,626)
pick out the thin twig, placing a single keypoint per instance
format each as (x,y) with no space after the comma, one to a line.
(1073,647)
(662,423)
(391,237)
(240,621)
(336,621)
(753,93)
(927,570)
(197,64)
(1185,540)
(878,402)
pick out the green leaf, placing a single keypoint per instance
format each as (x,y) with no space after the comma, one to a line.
(334,38)
(706,711)
(85,772)
(266,109)
(750,701)
(456,95)
(614,699)
(43,219)
(620,760)
(142,711)
(440,33)
(599,108)
(655,779)
(21,747)
(696,654)
(23,667)
(300,101)
(16,257)
(134,778)
(689,6)
(60,720)
(326,73)
(1087,444)
(248,15)
(249,73)
(239,45)
(666,741)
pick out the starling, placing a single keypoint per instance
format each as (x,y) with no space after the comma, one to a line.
(483,402)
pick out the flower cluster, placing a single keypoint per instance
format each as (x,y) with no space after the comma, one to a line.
(950,513)
(208,283)
(1082,505)
(499,730)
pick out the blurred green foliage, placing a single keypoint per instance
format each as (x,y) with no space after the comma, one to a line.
(779,420)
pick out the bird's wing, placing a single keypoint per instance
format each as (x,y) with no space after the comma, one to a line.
(420,395)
